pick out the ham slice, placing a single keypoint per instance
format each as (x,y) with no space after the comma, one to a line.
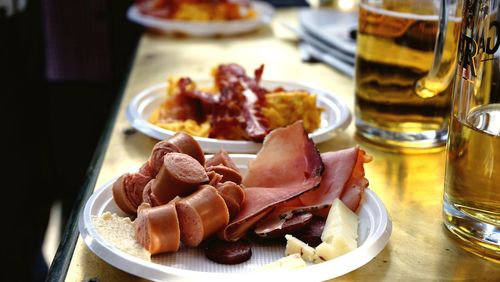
(344,178)
(287,166)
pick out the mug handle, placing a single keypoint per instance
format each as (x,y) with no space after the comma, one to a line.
(438,78)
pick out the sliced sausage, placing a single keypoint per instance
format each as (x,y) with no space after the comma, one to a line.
(201,214)
(214,178)
(157,229)
(155,161)
(187,145)
(128,190)
(228,174)
(225,252)
(221,158)
(180,175)
(232,190)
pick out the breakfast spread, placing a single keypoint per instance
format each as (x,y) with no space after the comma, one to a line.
(235,107)
(197,10)
(290,191)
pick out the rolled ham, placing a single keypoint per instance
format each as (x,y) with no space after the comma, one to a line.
(180,175)
(201,215)
(157,228)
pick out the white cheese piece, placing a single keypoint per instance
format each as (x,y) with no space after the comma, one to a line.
(340,244)
(340,220)
(296,246)
(289,262)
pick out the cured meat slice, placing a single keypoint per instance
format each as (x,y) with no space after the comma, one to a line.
(287,158)
(201,214)
(180,175)
(127,191)
(344,178)
(157,229)
(287,166)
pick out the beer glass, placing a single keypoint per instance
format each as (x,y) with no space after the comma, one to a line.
(405,61)
(472,182)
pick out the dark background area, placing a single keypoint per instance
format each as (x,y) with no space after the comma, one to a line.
(62,64)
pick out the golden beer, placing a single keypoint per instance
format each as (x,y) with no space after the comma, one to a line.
(472,182)
(395,50)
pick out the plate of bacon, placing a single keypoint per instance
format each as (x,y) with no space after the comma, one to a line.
(201,18)
(233,111)
(186,216)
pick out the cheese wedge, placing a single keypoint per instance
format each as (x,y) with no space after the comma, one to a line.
(296,246)
(293,261)
(340,220)
(340,233)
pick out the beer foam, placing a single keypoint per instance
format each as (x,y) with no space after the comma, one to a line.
(395,14)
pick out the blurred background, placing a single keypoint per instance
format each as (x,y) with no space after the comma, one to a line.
(62,64)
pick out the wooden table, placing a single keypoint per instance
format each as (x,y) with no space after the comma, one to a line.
(410,185)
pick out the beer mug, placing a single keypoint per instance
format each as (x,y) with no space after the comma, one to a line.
(405,62)
(472,183)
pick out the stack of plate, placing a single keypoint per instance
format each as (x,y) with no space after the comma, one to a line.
(329,36)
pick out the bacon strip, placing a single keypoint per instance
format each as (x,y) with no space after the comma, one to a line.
(287,166)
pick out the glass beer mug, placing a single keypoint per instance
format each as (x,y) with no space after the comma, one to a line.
(404,69)
(472,182)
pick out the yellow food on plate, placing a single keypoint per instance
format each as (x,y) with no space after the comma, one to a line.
(284,108)
(234,107)
(198,10)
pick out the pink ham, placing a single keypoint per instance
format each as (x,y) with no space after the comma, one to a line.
(287,166)
(157,229)
(127,191)
(344,178)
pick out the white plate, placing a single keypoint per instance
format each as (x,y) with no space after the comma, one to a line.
(331,26)
(203,29)
(190,264)
(336,116)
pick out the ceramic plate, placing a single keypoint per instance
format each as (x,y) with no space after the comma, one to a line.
(336,116)
(190,264)
(202,29)
(332,27)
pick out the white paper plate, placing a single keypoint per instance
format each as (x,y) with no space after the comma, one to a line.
(336,116)
(190,264)
(330,26)
(203,29)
